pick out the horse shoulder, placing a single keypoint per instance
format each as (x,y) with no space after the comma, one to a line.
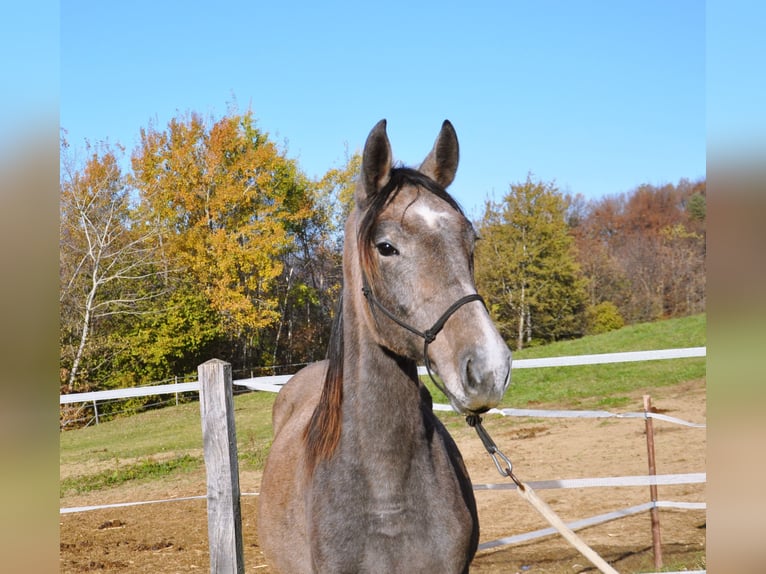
(282,521)
(299,396)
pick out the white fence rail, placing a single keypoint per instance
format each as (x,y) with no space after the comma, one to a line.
(274,383)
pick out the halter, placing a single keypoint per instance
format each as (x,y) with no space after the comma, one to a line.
(429,335)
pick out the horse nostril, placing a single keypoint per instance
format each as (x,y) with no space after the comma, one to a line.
(507,380)
(472,378)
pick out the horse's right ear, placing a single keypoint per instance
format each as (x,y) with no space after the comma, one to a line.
(376,164)
(441,164)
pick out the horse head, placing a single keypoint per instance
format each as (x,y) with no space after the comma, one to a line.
(415,257)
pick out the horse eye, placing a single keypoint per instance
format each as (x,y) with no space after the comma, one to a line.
(386,249)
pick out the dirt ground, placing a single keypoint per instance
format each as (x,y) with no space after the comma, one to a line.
(172,536)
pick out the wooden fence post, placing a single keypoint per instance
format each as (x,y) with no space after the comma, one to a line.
(655,513)
(224,516)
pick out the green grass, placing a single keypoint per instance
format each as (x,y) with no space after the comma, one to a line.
(606,386)
(159,443)
(695,560)
(146,469)
(164,442)
(174,429)
(667,334)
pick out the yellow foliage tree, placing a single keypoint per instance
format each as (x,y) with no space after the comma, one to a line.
(226,200)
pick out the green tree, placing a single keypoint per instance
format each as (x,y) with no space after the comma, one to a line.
(602,318)
(526,267)
(172,341)
(696,207)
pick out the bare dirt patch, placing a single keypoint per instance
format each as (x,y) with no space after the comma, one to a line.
(172,537)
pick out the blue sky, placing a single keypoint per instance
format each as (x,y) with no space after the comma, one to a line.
(597,96)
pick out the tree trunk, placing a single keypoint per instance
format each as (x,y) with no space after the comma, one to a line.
(282,317)
(520,337)
(83,336)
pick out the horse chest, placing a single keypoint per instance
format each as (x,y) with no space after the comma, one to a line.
(397,535)
(377,516)
(388,519)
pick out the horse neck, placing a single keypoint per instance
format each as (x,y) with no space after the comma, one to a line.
(382,397)
(375,379)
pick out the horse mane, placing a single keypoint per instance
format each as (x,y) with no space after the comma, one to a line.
(322,434)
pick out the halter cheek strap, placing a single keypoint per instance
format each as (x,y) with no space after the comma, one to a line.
(429,335)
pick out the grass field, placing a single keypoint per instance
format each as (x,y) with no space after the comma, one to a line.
(603,386)
(158,443)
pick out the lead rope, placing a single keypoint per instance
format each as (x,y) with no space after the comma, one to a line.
(530,496)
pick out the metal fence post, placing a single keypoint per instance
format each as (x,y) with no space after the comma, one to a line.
(655,513)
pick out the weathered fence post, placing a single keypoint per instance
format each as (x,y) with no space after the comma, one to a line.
(224,516)
(655,513)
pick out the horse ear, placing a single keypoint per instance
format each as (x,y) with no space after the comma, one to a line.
(376,163)
(441,164)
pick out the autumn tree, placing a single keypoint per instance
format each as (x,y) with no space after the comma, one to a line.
(596,232)
(107,263)
(526,267)
(644,251)
(337,188)
(312,274)
(227,203)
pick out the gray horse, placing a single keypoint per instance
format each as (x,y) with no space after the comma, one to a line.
(362,477)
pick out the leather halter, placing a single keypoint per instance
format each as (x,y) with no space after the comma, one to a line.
(429,335)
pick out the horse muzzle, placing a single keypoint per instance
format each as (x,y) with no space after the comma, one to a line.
(476,379)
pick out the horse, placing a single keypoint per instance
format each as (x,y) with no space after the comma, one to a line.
(362,476)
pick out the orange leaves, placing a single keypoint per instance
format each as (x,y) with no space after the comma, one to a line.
(225,198)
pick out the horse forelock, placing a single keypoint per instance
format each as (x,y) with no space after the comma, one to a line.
(399,178)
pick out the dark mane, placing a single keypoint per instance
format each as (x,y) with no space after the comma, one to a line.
(322,434)
(399,177)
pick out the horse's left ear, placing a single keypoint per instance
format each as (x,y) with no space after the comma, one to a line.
(441,164)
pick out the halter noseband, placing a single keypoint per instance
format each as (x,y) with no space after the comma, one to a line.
(429,335)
